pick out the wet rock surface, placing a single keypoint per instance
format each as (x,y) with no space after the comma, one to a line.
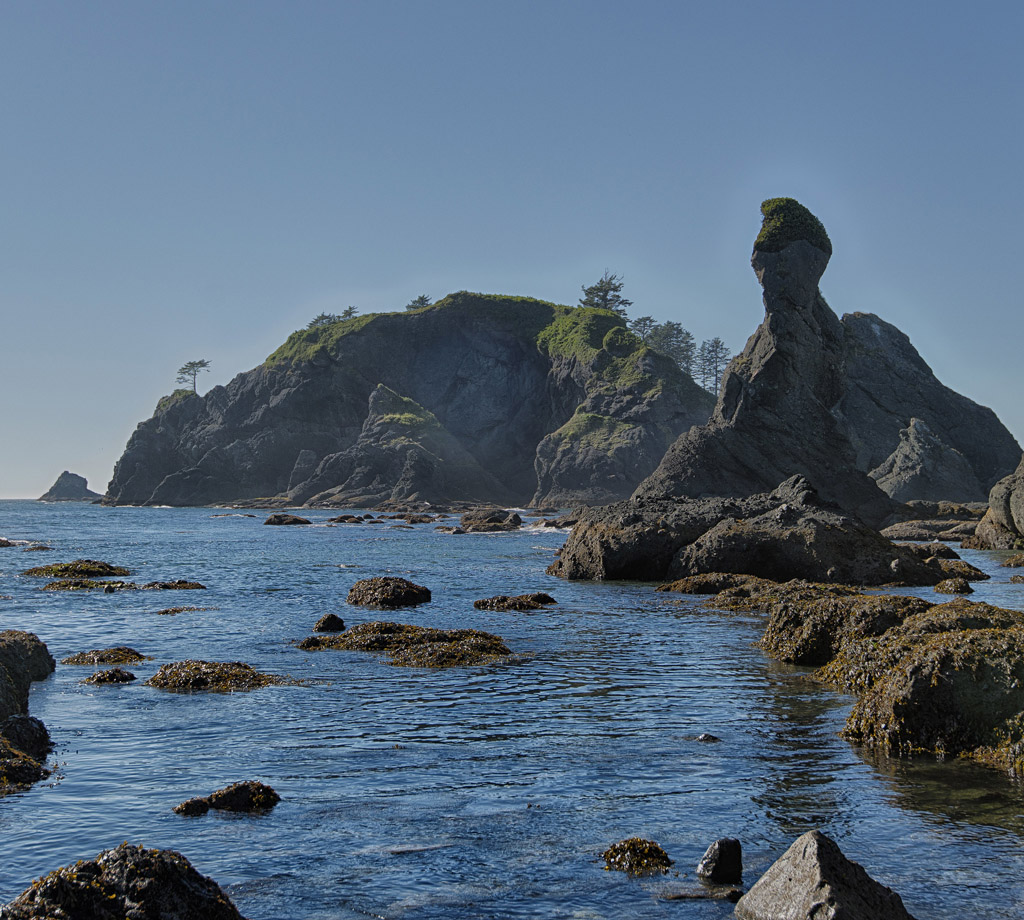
(120,654)
(787,533)
(126,882)
(24,741)
(285,520)
(813,880)
(722,862)
(387,592)
(79,568)
(193,676)
(249,796)
(329,623)
(954,586)
(111,676)
(23,659)
(110,587)
(490,520)
(536,601)
(636,856)
(1002,527)
(416,646)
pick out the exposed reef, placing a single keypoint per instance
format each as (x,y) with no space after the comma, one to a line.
(193,676)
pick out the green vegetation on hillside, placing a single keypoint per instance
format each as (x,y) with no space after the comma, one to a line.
(179,395)
(785,221)
(597,431)
(316,340)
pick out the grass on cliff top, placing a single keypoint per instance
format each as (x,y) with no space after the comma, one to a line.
(179,395)
(784,221)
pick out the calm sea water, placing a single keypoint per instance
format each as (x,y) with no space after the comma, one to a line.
(470,792)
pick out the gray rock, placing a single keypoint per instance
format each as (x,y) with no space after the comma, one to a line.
(923,465)
(284,520)
(722,862)
(813,880)
(1002,527)
(69,487)
(129,881)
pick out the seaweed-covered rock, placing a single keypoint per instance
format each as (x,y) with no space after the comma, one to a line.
(954,586)
(329,623)
(416,646)
(636,856)
(28,734)
(128,881)
(173,611)
(1015,561)
(78,568)
(490,520)
(722,862)
(712,583)
(387,592)
(286,520)
(18,769)
(192,676)
(120,654)
(249,796)
(110,587)
(1017,579)
(536,601)
(958,568)
(813,880)
(111,676)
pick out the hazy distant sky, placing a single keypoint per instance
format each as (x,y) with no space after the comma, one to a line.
(198,179)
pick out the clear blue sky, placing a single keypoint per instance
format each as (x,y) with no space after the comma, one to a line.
(198,179)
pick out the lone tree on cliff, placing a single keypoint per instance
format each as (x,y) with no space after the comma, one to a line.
(422,301)
(606,294)
(188,371)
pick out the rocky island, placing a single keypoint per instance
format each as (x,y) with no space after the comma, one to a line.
(70,487)
(476,398)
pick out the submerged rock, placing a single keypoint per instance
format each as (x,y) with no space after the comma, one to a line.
(192,676)
(536,601)
(120,654)
(250,796)
(416,646)
(128,881)
(387,592)
(813,880)
(79,568)
(636,856)
(69,487)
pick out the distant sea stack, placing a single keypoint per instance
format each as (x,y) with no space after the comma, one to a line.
(477,398)
(69,487)
(828,399)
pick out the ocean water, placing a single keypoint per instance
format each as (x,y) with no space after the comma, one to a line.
(470,792)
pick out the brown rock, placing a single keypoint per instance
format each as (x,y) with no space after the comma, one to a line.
(387,592)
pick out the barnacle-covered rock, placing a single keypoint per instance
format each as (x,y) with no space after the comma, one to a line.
(954,586)
(416,646)
(79,568)
(329,623)
(111,676)
(387,591)
(249,796)
(191,675)
(120,654)
(536,601)
(129,881)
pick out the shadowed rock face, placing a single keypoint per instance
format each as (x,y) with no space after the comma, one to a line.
(828,398)
(475,398)
(1002,527)
(775,415)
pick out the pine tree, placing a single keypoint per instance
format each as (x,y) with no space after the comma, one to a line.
(606,294)
(188,372)
(673,340)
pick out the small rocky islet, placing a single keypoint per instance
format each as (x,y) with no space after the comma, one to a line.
(792,533)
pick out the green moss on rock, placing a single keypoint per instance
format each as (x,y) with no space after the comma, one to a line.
(79,568)
(636,856)
(784,221)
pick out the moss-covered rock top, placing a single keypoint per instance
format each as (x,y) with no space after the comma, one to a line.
(784,221)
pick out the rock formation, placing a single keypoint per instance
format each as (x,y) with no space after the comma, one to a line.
(786,533)
(69,487)
(476,398)
(24,741)
(813,880)
(128,881)
(1002,527)
(824,397)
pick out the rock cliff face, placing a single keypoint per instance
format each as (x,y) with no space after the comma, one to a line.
(828,398)
(69,487)
(476,398)
(1002,527)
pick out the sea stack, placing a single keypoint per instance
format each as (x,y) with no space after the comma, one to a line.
(69,487)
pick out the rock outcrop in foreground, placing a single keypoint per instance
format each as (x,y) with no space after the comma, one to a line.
(813,880)
(69,487)
(129,881)
(477,398)
(24,741)
(828,398)
(786,533)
